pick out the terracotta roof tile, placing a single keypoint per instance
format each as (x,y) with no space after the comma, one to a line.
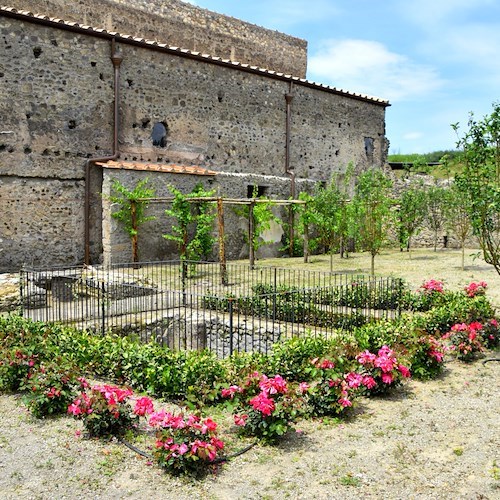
(157,167)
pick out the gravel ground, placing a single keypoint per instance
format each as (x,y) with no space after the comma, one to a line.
(428,440)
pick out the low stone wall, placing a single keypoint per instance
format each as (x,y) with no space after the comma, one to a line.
(191,330)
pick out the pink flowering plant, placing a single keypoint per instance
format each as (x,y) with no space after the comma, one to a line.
(430,294)
(383,370)
(185,444)
(427,357)
(105,410)
(266,407)
(491,334)
(474,289)
(432,286)
(50,387)
(16,366)
(330,391)
(466,340)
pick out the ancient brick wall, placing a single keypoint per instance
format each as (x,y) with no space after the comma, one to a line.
(56,103)
(182,25)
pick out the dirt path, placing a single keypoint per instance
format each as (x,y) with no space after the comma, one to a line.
(432,440)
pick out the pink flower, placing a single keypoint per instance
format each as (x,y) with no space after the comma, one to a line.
(387,378)
(273,385)
(369,382)
(183,448)
(208,425)
(229,393)
(327,364)
(404,371)
(75,408)
(217,443)
(366,357)
(263,404)
(53,393)
(433,286)
(143,406)
(303,387)
(112,393)
(476,326)
(240,420)
(385,364)
(437,355)
(474,289)
(344,402)
(158,418)
(354,380)
(83,382)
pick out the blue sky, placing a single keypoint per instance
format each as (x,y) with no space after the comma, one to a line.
(434,60)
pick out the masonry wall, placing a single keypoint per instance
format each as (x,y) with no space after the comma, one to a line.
(56,103)
(183,25)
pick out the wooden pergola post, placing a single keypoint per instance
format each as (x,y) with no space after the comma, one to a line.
(222,245)
(251,231)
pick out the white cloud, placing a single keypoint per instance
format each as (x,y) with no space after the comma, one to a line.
(370,68)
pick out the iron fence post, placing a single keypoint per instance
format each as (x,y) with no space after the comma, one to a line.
(22,274)
(103,309)
(231,339)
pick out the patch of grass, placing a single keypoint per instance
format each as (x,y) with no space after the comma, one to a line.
(349,480)
(111,462)
(495,471)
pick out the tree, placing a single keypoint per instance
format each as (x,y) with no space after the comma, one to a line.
(412,212)
(436,210)
(194,218)
(324,212)
(457,218)
(480,181)
(372,211)
(259,215)
(133,204)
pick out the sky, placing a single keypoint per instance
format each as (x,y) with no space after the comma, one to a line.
(435,61)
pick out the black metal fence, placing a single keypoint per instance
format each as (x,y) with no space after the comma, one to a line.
(188,305)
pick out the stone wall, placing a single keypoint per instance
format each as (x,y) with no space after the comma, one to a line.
(182,25)
(56,103)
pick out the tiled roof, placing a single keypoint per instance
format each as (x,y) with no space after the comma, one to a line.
(157,167)
(120,37)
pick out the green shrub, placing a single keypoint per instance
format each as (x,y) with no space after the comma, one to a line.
(292,358)
(202,375)
(457,308)
(51,387)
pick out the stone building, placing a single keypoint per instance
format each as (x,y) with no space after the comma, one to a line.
(83,103)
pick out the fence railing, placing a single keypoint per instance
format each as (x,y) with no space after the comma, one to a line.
(187,305)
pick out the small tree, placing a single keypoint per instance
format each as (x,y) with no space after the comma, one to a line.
(412,212)
(480,181)
(372,211)
(325,213)
(133,204)
(194,218)
(261,215)
(436,210)
(457,218)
